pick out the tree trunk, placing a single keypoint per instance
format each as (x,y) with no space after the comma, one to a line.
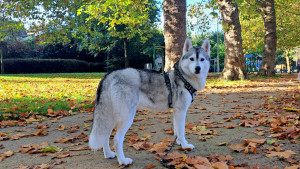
(234,63)
(288,66)
(174,30)
(126,52)
(267,67)
(3,53)
(1,60)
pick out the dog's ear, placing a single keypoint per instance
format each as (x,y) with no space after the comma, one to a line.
(206,46)
(187,45)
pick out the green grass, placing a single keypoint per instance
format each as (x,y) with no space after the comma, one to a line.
(39,92)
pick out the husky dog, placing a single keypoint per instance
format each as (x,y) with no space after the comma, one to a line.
(122,92)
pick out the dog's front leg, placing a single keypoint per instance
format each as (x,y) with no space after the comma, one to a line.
(179,128)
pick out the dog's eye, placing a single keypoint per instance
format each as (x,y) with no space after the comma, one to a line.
(202,59)
(192,59)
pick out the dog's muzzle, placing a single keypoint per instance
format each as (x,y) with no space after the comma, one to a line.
(197,69)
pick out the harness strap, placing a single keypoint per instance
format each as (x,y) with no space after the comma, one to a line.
(168,83)
(187,85)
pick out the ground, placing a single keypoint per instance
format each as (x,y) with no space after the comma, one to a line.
(220,121)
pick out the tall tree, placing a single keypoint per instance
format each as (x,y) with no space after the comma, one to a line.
(267,9)
(123,19)
(287,31)
(92,24)
(174,30)
(234,66)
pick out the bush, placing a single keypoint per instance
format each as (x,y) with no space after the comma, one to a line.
(14,66)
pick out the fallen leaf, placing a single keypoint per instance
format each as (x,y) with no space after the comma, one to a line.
(142,145)
(41,132)
(52,149)
(254,140)
(169,131)
(222,144)
(61,127)
(237,148)
(285,154)
(63,140)
(293,167)
(220,165)
(24,150)
(159,147)
(86,125)
(80,148)
(66,154)
(150,166)
(17,136)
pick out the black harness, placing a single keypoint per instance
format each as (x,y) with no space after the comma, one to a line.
(187,85)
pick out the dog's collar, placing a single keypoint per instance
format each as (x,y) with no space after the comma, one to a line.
(187,85)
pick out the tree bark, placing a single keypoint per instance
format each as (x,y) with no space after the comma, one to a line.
(3,53)
(126,53)
(288,66)
(270,39)
(234,62)
(1,60)
(174,30)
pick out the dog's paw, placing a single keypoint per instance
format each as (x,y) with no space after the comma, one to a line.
(184,146)
(125,161)
(110,155)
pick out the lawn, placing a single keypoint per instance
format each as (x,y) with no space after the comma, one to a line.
(40,92)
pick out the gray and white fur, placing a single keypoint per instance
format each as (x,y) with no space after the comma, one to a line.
(122,92)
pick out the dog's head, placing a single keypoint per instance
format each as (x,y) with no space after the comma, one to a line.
(195,61)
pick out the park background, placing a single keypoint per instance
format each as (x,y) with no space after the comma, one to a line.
(54,53)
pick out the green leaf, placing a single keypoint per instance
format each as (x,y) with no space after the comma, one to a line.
(52,149)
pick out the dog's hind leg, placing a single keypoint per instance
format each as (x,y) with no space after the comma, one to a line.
(119,139)
(126,109)
(102,127)
(107,151)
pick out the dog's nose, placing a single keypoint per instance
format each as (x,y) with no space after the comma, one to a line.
(197,69)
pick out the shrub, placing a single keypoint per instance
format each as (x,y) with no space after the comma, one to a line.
(14,66)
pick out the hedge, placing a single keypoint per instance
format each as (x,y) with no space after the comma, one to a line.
(15,66)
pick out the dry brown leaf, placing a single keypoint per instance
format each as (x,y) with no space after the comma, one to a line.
(220,165)
(237,148)
(24,150)
(41,132)
(63,140)
(198,166)
(80,148)
(7,153)
(159,147)
(222,144)
(66,154)
(150,166)
(254,140)
(142,145)
(230,127)
(45,125)
(169,131)
(61,127)
(17,136)
(293,167)
(285,154)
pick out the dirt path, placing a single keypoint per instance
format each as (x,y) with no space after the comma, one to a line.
(221,109)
